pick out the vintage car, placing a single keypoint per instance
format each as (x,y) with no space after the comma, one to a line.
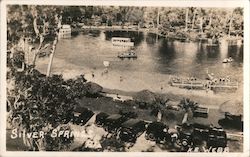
(232,121)
(157,131)
(195,134)
(217,137)
(82,115)
(100,118)
(185,138)
(131,129)
(113,122)
(200,133)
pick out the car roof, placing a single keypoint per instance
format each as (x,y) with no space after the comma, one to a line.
(157,125)
(201,126)
(114,117)
(103,114)
(131,122)
(81,109)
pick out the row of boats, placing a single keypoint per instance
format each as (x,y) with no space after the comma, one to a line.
(130,53)
(228,60)
(126,43)
(210,83)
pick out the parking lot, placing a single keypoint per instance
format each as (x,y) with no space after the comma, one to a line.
(102,136)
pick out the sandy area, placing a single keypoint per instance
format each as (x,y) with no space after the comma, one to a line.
(133,81)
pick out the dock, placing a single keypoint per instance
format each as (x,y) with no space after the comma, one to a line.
(204,84)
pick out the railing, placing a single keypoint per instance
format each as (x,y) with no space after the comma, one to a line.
(203,84)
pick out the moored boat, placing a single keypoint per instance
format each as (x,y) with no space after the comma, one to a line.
(215,84)
(128,54)
(227,60)
(123,42)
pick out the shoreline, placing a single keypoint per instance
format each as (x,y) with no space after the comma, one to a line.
(116,82)
(127,83)
(192,35)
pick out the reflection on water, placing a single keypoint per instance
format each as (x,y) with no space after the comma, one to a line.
(155,54)
(235,52)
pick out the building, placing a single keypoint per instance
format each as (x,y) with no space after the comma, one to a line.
(65,32)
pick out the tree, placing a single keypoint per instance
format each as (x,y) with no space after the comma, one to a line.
(135,15)
(40,103)
(38,106)
(236,22)
(36,22)
(150,16)
(194,17)
(71,14)
(201,14)
(46,15)
(37,102)
(186,20)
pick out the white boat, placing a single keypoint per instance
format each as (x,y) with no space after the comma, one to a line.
(228,60)
(64,32)
(128,54)
(120,41)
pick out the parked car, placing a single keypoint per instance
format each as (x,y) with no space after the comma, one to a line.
(100,118)
(128,114)
(185,138)
(157,131)
(131,129)
(113,122)
(217,138)
(82,115)
(231,121)
(200,133)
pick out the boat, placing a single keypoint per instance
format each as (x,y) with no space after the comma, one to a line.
(128,54)
(227,60)
(189,83)
(64,32)
(212,83)
(120,41)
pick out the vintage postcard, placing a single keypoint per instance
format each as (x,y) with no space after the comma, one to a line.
(106,77)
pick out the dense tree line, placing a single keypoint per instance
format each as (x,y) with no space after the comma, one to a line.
(213,22)
(209,22)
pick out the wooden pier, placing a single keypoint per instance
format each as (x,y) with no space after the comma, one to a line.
(204,85)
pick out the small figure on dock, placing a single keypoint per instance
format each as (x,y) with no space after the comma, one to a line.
(118,96)
(121,79)
(93,75)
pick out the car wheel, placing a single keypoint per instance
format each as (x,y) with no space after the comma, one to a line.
(151,137)
(184,142)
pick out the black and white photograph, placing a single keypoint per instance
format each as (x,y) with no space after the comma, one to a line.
(124,78)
